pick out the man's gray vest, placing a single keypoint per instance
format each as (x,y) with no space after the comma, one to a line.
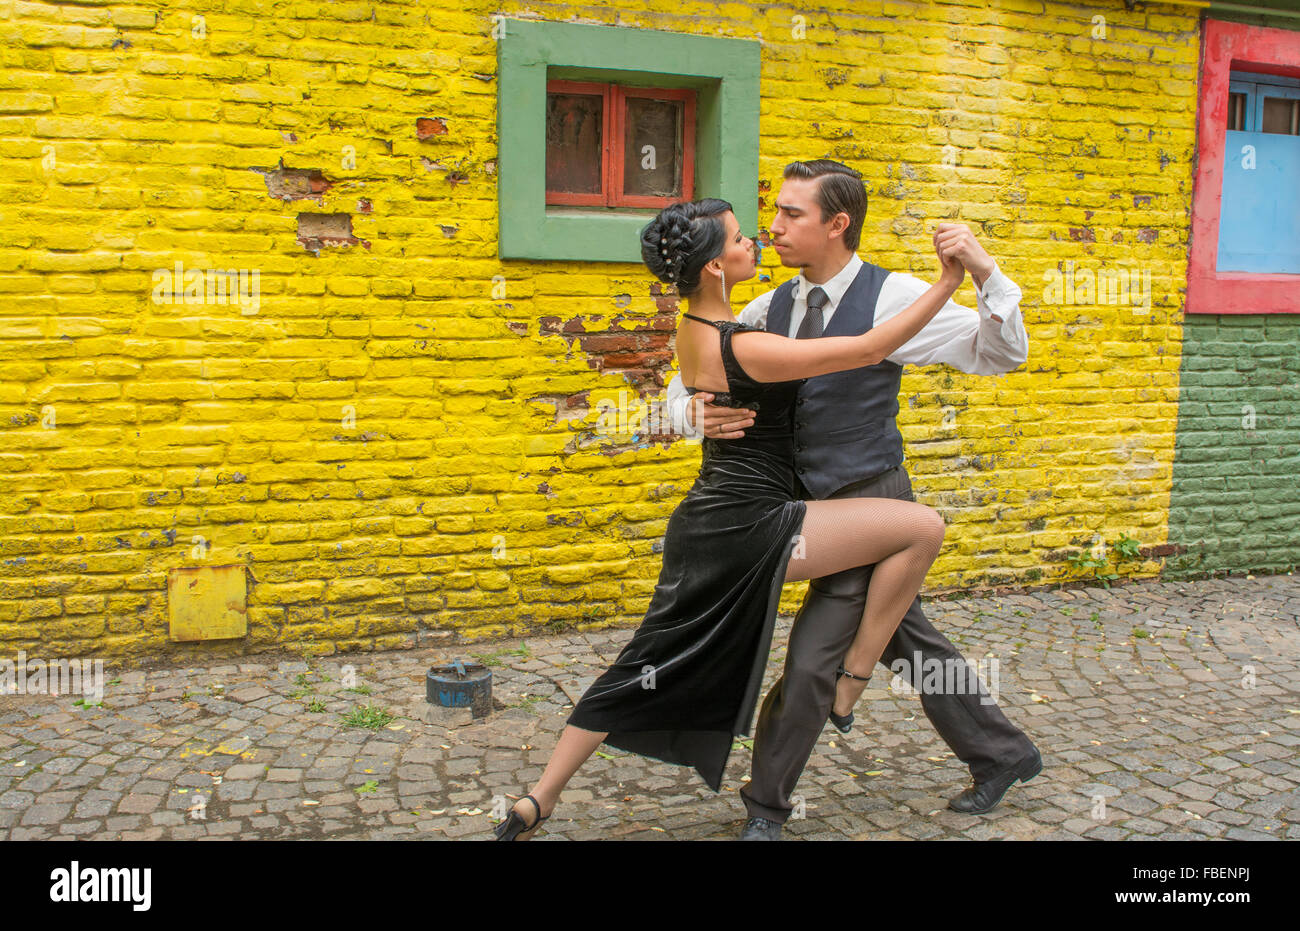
(844,423)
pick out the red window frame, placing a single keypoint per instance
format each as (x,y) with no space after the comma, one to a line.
(613,108)
(1225,46)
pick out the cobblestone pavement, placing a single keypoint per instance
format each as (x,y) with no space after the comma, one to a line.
(1162,710)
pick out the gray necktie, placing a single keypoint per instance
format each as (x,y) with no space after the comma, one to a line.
(812,320)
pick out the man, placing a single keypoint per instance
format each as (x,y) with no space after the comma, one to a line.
(847,444)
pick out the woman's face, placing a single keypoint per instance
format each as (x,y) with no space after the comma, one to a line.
(739,258)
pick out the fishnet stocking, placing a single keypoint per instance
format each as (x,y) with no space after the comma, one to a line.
(901,538)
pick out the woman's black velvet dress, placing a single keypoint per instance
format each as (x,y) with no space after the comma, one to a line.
(687,682)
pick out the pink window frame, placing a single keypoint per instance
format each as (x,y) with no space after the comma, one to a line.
(1225,46)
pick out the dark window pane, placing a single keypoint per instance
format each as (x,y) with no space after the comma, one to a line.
(1237,111)
(652,140)
(573,143)
(1280,115)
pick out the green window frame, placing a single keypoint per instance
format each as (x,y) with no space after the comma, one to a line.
(724,74)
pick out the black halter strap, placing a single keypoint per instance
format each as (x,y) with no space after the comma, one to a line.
(701,319)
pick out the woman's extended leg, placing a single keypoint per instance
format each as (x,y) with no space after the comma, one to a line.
(574,748)
(901,538)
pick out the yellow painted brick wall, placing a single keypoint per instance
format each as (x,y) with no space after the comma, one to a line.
(399,437)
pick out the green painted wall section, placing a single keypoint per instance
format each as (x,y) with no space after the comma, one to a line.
(1235,500)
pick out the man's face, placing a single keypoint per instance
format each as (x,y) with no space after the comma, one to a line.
(797,232)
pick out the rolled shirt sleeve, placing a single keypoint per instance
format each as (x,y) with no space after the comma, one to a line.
(976,343)
(678,397)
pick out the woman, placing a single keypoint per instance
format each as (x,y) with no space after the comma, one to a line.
(688,680)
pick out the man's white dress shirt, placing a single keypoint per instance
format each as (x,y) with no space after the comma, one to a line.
(972,342)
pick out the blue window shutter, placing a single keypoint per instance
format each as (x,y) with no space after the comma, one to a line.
(1259,223)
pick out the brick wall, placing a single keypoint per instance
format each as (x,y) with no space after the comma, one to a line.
(1235,503)
(399,436)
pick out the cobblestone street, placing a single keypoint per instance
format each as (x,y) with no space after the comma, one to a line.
(1162,710)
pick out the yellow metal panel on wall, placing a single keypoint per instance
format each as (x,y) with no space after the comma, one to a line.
(207,603)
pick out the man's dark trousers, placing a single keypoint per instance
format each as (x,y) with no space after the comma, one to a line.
(796,709)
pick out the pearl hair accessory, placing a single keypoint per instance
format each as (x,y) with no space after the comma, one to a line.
(670,273)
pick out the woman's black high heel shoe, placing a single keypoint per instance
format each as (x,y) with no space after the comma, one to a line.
(843,722)
(514,825)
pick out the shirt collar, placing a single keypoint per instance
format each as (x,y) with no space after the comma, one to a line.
(838,284)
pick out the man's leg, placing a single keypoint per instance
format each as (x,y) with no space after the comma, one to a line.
(978,733)
(969,721)
(796,708)
(798,705)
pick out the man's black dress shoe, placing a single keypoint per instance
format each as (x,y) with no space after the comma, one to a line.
(761,829)
(983,797)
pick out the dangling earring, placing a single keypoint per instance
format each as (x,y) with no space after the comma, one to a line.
(724,282)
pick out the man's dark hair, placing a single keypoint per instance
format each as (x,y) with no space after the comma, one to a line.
(839,190)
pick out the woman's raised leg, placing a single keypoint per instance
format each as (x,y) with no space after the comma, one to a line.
(901,538)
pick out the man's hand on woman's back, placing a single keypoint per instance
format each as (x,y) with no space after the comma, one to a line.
(718,423)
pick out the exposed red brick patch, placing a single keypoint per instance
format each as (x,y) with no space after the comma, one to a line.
(295,183)
(1082,235)
(642,354)
(428,127)
(1147,235)
(364,206)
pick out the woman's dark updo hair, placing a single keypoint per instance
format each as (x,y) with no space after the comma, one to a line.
(686,236)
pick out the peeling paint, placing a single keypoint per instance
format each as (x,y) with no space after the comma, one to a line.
(290,184)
